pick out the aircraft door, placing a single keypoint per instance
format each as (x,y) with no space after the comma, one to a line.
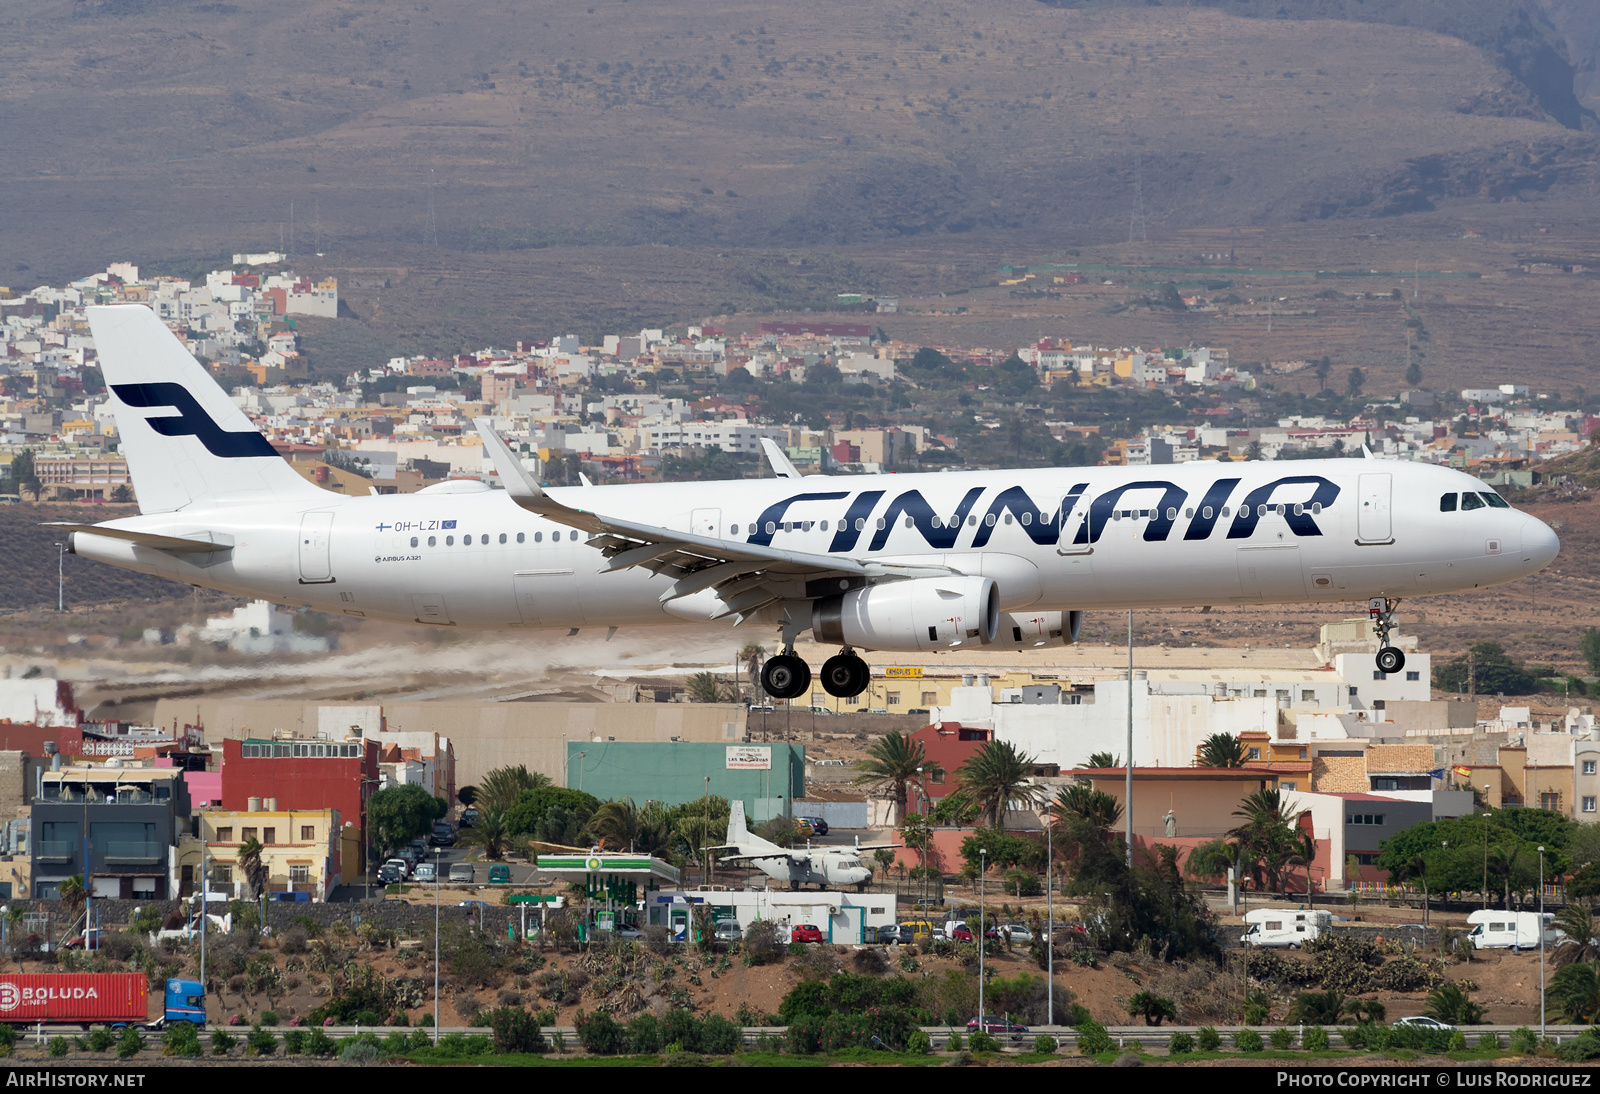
(1075,528)
(706,522)
(1373,520)
(316,541)
(1271,575)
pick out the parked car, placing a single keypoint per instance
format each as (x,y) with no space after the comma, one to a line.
(499,874)
(1419,1021)
(463,872)
(993,1024)
(728,930)
(425,872)
(918,932)
(803,829)
(888,934)
(818,825)
(88,940)
(390,874)
(806,932)
(1015,932)
(443,835)
(629,933)
(402,865)
(469,816)
(959,934)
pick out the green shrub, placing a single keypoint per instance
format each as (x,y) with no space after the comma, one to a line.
(982,1042)
(222,1042)
(804,1035)
(180,1039)
(1491,1041)
(130,1044)
(261,1042)
(1356,1037)
(1581,1049)
(919,1044)
(1523,1042)
(294,1042)
(682,1029)
(358,1050)
(317,1043)
(268,1018)
(1316,1039)
(458,1046)
(955,1043)
(797,949)
(59,1047)
(1093,1039)
(644,1035)
(1208,1039)
(558,1042)
(100,1038)
(719,1036)
(1045,1044)
(600,1034)
(1458,1041)
(1282,1037)
(1180,1044)
(1248,1040)
(514,1030)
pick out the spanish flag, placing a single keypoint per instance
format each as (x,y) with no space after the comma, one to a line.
(1464,772)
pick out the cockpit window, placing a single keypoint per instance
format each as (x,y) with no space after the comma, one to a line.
(1447,503)
(1470,500)
(1496,500)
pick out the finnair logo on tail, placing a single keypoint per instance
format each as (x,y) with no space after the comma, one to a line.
(191,420)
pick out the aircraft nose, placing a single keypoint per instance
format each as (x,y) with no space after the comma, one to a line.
(1539,543)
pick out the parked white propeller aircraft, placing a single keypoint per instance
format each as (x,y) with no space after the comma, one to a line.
(825,867)
(997,559)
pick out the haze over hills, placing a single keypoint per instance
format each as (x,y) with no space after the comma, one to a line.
(158,127)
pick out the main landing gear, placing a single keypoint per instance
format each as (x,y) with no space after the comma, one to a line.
(788,677)
(1380,609)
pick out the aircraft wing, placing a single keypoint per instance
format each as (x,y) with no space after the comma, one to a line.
(746,576)
(765,857)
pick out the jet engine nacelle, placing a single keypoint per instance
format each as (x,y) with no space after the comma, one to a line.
(1031,630)
(928,613)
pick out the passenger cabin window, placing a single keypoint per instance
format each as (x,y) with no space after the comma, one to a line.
(1470,500)
(1447,503)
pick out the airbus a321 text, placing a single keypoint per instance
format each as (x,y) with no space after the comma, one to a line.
(995,559)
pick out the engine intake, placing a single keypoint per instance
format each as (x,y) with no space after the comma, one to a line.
(928,613)
(1031,630)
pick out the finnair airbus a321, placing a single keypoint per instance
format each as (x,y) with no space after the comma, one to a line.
(996,559)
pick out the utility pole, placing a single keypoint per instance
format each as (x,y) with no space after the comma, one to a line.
(1127,788)
(1050,917)
(61,578)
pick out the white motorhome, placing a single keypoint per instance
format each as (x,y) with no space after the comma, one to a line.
(1505,930)
(1291,927)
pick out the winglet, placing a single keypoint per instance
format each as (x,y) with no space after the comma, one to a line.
(521,486)
(781,466)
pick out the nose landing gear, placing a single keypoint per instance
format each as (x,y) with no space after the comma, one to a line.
(1380,609)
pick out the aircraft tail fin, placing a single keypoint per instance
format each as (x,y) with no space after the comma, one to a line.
(185,441)
(737,832)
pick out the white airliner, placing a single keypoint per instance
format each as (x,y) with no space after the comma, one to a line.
(995,559)
(827,868)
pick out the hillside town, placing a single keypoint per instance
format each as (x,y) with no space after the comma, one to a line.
(632,406)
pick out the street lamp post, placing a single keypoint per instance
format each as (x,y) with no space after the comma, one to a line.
(61,587)
(1486,846)
(983,868)
(1049,918)
(1541,943)
(437,851)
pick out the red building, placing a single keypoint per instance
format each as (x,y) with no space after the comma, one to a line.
(301,773)
(948,744)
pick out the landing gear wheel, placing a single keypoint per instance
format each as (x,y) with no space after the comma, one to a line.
(1380,610)
(1390,660)
(785,676)
(845,675)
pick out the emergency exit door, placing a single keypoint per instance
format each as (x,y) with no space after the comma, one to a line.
(316,542)
(1374,521)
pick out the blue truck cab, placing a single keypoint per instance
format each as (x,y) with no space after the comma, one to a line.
(186,1002)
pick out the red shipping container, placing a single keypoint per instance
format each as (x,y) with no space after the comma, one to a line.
(74,997)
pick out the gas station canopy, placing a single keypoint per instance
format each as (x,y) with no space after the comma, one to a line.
(642,869)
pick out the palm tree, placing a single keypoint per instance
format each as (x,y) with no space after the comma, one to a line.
(253,867)
(1212,859)
(1449,1003)
(893,762)
(754,655)
(1415,869)
(998,775)
(1222,750)
(1583,938)
(1102,760)
(1305,853)
(1269,836)
(1082,800)
(1365,1010)
(623,825)
(1575,993)
(73,896)
(490,832)
(1503,864)
(504,785)
(1316,1008)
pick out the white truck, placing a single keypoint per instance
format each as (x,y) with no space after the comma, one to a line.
(1505,930)
(1291,927)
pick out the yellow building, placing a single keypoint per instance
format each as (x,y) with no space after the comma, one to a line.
(304,850)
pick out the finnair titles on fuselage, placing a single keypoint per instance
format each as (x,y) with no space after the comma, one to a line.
(898,562)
